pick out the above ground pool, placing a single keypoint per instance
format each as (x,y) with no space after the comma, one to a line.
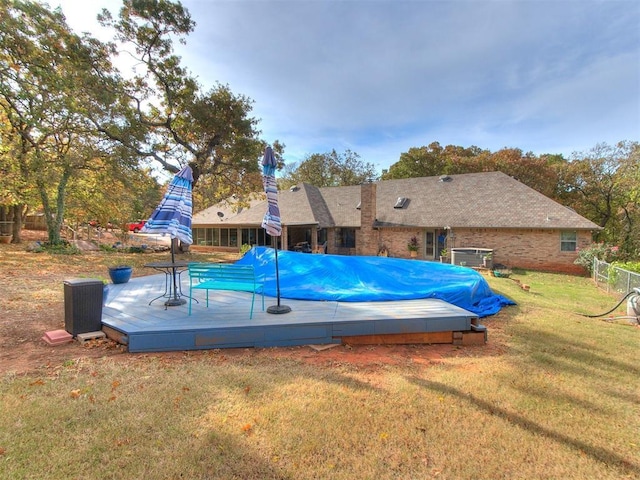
(342,278)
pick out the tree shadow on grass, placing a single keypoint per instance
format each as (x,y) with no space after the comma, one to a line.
(599,454)
(573,355)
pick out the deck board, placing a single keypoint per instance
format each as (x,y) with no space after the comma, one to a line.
(226,323)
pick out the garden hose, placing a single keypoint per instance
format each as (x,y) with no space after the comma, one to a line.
(635,291)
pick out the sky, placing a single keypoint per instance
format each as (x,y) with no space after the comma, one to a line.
(379,77)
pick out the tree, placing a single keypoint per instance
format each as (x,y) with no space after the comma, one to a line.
(539,173)
(52,82)
(423,161)
(602,185)
(434,160)
(111,194)
(15,193)
(630,183)
(329,170)
(44,68)
(164,115)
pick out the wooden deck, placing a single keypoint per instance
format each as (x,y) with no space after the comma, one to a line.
(128,318)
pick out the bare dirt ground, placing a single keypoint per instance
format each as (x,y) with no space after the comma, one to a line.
(32,289)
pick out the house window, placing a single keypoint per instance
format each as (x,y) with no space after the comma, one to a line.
(253,236)
(199,236)
(568,241)
(345,237)
(228,237)
(202,236)
(216,237)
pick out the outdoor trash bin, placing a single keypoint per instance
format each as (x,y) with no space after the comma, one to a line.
(83,305)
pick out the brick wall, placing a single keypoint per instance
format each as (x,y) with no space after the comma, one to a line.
(396,240)
(533,249)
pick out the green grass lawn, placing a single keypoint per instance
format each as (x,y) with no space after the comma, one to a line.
(559,399)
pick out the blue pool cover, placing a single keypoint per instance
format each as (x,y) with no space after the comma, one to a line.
(342,278)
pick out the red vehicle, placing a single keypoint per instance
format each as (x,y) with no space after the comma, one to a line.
(135,227)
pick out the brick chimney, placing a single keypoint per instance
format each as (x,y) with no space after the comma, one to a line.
(367,239)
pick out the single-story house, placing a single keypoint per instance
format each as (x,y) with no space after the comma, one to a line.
(469,219)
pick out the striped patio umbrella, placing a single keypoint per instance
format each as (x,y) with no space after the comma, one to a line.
(271,221)
(173,217)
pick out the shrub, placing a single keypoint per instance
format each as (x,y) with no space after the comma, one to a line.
(601,251)
(62,248)
(630,266)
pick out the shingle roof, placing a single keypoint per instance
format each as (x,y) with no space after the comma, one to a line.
(342,204)
(300,205)
(483,200)
(480,200)
(226,211)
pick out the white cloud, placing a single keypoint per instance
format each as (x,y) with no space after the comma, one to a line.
(380,77)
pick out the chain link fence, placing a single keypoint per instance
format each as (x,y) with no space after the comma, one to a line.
(613,279)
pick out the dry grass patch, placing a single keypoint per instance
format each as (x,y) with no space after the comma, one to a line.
(553,396)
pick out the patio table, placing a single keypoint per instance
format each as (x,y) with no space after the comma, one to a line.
(172,293)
